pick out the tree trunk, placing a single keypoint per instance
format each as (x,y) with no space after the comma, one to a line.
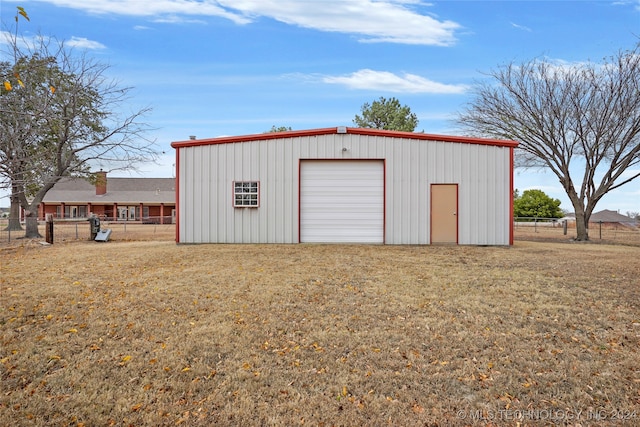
(14,213)
(582,221)
(582,227)
(32,225)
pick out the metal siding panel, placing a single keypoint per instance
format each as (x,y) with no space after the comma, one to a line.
(268,191)
(224,211)
(196,202)
(291,226)
(421,214)
(414,188)
(263,169)
(201,200)
(503,196)
(398,193)
(468,192)
(242,225)
(484,208)
(466,188)
(219,213)
(185,186)
(279,185)
(236,229)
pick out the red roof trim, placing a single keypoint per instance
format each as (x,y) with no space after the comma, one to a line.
(333,130)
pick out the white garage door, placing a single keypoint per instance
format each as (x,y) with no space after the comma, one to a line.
(342,201)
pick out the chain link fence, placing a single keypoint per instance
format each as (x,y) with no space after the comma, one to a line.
(76,230)
(524,229)
(530,228)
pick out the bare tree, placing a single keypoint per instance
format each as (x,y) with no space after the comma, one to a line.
(582,118)
(61,116)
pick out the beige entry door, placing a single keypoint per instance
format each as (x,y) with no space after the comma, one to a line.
(444,213)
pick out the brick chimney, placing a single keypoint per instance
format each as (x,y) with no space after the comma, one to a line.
(101,183)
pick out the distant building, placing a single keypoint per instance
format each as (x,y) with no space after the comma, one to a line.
(149,200)
(605,217)
(610,217)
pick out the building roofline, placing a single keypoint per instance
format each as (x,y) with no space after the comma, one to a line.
(342,130)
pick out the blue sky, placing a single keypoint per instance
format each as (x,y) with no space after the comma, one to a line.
(233,67)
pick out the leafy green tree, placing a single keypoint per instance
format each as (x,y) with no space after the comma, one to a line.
(580,121)
(536,204)
(279,129)
(386,114)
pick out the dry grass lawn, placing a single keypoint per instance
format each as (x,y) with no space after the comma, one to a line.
(130,333)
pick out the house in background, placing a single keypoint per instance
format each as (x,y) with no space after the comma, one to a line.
(148,200)
(345,185)
(612,218)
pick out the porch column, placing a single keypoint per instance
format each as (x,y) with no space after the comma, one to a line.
(140,212)
(161,213)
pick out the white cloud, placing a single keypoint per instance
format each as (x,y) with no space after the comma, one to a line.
(374,21)
(383,80)
(175,19)
(29,42)
(393,21)
(83,43)
(521,27)
(152,8)
(628,2)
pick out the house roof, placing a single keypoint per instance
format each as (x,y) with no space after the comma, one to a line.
(342,130)
(610,216)
(119,190)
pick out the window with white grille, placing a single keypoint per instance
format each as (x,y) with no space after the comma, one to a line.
(246,194)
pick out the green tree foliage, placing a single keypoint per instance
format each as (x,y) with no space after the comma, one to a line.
(536,204)
(279,129)
(386,114)
(580,121)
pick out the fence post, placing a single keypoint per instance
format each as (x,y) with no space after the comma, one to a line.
(600,222)
(535,224)
(49,229)
(564,227)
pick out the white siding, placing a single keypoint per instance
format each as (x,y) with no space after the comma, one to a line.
(206,174)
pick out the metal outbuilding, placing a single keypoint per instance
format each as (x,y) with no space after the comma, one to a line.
(346,185)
